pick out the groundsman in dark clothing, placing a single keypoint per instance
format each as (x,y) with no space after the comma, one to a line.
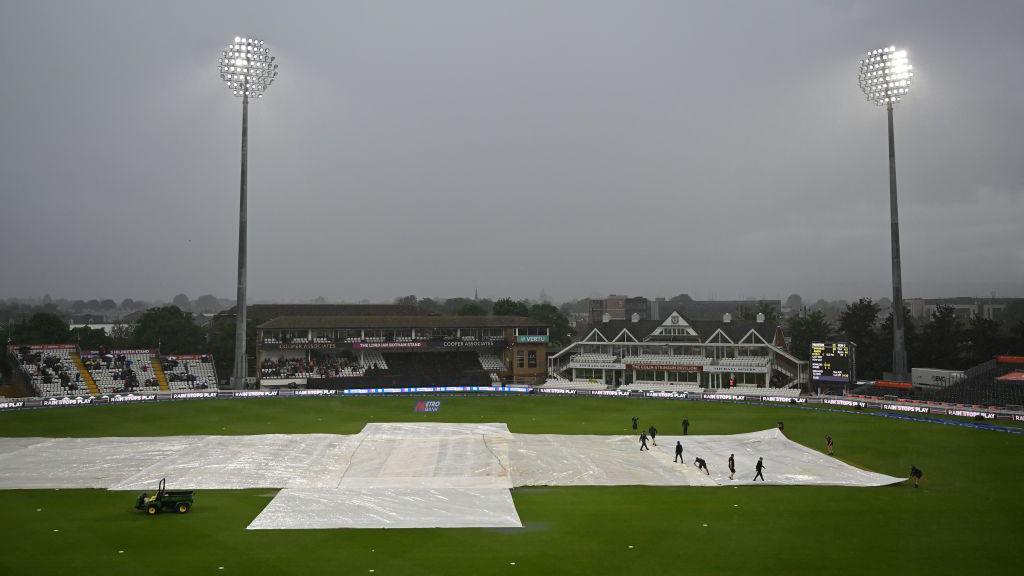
(916,474)
(702,465)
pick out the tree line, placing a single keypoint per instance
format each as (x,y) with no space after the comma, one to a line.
(174,331)
(942,340)
(166,327)
(205,304)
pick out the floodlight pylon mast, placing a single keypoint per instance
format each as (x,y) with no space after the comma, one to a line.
(885,77)
(899,347)
(241,365)
(248,69)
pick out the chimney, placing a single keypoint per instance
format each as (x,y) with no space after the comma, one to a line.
(760,317)
(726,318)
(635,317)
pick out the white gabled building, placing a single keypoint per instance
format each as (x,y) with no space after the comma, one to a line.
(677,353)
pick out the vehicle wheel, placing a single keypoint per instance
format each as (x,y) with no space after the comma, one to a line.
(152,510)
(183,508)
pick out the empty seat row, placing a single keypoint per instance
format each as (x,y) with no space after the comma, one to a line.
(373,359)
(574,384)
(753,391)
(592,357)
(683,359)
(189,372)
(655,386)
(744,361)
(491,362)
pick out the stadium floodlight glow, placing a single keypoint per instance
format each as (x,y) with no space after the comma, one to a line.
(248,69)
(885,76)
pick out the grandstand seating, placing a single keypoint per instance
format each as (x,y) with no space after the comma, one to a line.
(62,370)
(286,368)
(414,369)
(373,359)
(689,360)
(977,386)
(351,370)
(52,370)
(573,384)
(321,367)
(653,386)
(119,371)
(377,369)
(593,357)
(754,391)
(744,361)
(491,362)
(189,372)
(325,367)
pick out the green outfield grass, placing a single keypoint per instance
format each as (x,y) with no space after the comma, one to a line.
(965,519)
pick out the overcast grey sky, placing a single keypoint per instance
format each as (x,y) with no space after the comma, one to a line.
(581,147)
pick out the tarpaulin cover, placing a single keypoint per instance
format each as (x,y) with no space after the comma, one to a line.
(82,462)
(390,508)
(558,460)
(561,460)
(431,456)
(262,461)
(408,474)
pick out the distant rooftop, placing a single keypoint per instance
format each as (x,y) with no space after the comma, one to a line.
(329,322)
(275,310)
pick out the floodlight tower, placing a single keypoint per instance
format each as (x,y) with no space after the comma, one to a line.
(248,69)
(885,78)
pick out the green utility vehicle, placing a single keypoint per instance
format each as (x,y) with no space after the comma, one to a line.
(179,501)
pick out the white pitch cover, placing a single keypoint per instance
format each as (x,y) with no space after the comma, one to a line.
(389,508)
(409,475)
(560,460)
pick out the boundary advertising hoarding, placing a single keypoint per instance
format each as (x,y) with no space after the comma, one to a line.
(892,409)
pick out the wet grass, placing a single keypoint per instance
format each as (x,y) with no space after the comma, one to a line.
(965,519)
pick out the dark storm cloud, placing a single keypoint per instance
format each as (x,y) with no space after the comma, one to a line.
(645,147)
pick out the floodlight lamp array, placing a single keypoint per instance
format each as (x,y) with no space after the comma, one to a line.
(885,75)
(247,67)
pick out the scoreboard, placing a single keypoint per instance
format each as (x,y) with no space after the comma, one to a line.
(832,362)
